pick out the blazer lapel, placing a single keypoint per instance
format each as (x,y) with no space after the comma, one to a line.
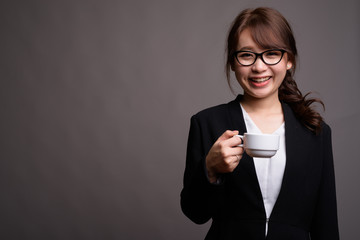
(247,162)
(294,134)
(236,116)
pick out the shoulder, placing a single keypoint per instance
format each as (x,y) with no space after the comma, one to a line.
(213,121)
(211,112)
(218,111)
(325,127)
(325,131)
(294,122)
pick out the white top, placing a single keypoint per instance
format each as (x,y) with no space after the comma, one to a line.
(269,171)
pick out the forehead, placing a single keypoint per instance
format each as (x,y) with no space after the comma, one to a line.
(258,39)
(247,42)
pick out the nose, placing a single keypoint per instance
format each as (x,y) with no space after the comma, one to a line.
(259,65)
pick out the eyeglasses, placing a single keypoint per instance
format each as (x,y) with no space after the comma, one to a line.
(269,57)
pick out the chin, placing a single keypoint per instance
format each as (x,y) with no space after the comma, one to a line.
(262,94)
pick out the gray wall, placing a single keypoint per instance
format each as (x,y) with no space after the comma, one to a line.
(96,97)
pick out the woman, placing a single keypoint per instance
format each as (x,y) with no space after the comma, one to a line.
(289,196)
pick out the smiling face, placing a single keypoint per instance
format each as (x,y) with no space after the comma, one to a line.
(259,80)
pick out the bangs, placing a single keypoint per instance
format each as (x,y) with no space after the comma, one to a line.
(267,36)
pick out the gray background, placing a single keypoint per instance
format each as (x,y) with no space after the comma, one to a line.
(96,97)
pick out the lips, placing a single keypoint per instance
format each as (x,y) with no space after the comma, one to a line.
(259,80)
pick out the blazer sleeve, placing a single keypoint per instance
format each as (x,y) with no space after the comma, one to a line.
(325,222)
(197,195)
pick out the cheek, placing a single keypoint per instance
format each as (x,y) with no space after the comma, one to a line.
(240,73)
(280,72)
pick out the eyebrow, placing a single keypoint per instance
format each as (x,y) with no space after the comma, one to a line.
(246,48)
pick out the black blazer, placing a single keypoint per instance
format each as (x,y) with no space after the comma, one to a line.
(306,205)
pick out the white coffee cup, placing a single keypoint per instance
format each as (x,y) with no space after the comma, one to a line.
(260,145)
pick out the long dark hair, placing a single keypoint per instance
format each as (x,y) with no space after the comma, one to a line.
(270,29)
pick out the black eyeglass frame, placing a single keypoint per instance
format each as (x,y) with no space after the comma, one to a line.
(260,55)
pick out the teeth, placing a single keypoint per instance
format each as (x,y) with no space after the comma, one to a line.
(259,80)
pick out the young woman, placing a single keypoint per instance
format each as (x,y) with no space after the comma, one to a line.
(290,196)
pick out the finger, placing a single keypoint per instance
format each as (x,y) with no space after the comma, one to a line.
(234,141)
(232,162)
(229,151)
(227,134)
(236,151)
(229,140)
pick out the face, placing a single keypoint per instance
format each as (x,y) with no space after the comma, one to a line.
(259,80)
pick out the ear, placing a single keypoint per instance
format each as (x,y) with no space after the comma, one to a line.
(289,65)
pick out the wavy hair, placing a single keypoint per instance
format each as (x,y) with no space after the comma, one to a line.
(270,29)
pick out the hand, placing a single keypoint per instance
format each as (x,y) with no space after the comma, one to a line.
(224,155)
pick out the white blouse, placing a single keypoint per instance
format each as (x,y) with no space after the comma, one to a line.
(269,171)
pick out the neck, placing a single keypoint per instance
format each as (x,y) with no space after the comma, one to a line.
(264,105)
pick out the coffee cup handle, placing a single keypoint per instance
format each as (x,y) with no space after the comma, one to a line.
(242,138)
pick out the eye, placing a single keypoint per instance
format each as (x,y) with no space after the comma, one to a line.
(272,54)
(245,55)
